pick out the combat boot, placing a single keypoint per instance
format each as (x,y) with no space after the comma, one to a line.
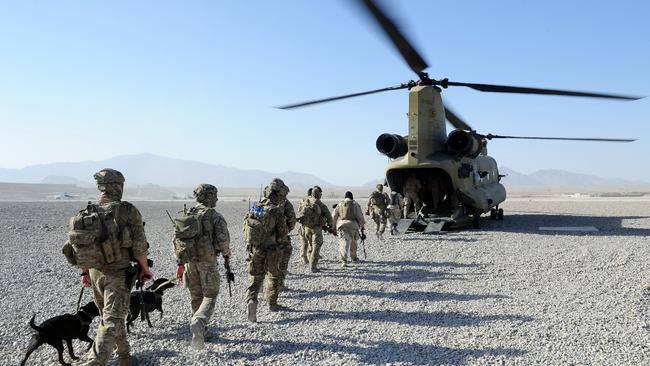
(252,311)
(198,334)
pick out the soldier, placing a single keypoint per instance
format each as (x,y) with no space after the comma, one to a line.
(315,217)
(377,203)
(305,249)
(265,233)
(395,211)
(290,214)
(349,221)
(412,188)
(103,239)
(200,274)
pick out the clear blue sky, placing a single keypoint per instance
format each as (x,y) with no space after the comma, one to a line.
(88,80)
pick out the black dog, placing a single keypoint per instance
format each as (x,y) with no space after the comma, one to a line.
(61,328)
(151,300)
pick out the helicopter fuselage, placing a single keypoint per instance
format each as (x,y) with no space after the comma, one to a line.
(450,179)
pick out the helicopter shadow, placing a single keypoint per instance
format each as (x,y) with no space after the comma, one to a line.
(529,223)
(404,296)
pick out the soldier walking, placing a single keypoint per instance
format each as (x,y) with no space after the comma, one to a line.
(305,249)
(265,233)
(103,240)
(314,217)
(199,271)
(278,185)
(349,221)
(377,204)
(394,210)
(412,188)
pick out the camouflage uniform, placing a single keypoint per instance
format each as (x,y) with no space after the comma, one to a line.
(314,234)
(264,258)
(412,188)
(349,220)
(109,283)
(305,248)
(377,203)
(290,215)
(201,277)
(395,211)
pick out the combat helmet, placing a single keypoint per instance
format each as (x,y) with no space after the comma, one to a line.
(205,189)
(278,185)
(107,176)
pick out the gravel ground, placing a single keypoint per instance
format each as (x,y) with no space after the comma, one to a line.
(503,294)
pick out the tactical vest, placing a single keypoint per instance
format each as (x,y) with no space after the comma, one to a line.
(193,233)
(309,213)
(95,238)
(346,210)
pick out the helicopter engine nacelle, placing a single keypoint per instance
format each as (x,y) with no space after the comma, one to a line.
(464,143)
(391,145)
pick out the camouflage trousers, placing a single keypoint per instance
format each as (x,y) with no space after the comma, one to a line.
(263,262)
(411,199)
(313,241)
(202,280)
(284,262)
(379,217)
(305,248)
(112,297)
(348,239)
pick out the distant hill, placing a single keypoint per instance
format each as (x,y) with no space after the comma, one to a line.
(562,178)
(553,178)
(153,169)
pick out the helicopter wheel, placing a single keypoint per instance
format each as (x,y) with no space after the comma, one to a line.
(493,214)
(475,221)
(500,214)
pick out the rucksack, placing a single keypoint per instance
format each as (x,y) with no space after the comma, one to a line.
(94,237)
(309,213)
(378,199)
(346,210)
(256,227)
(193,237)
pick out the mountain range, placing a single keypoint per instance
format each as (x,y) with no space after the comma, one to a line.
(153,169)
(146,169)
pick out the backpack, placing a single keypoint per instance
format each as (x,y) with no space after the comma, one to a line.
(193,236)
(256,227)
(346,210)
(94,237)
(309,213)
(378,199)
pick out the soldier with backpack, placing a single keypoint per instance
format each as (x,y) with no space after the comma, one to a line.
(278,185)
(394,210)
(200,235)
(349,221)
(265,234)
(377,204)
(314,216)
(305,249)
(103,239)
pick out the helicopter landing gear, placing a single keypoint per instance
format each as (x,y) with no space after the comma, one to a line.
(496,214)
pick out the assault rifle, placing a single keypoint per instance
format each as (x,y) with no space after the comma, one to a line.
(230,277)
(363,243)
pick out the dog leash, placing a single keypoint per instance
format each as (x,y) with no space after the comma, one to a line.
(81,293)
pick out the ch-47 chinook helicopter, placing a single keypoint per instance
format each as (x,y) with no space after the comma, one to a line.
(458,180)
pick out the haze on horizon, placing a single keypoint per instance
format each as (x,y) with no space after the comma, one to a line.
(198,81)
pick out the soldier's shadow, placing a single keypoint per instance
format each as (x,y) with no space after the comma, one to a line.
(371,352)
(405,296)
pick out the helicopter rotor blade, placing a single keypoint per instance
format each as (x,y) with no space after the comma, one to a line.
(491,136)
(397,38)
(455,120)
(331,99)
(525,90)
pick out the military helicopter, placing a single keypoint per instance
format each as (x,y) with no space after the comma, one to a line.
(457,181)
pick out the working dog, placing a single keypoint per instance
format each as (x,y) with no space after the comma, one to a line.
(151,300)
(61,328)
